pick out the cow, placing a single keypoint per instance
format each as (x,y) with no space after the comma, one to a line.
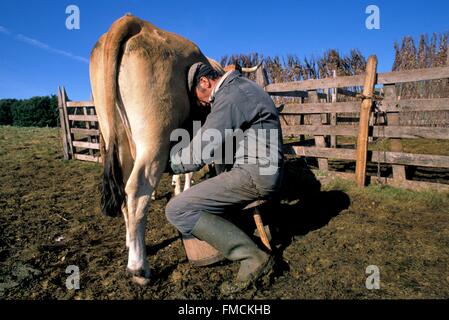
(138,76)
(139,85)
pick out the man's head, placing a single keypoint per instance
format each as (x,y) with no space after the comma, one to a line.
(201,81)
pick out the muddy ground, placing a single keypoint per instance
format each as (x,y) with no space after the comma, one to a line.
(325,235)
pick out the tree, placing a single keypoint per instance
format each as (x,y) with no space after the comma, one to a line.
(35,112)
(5,111)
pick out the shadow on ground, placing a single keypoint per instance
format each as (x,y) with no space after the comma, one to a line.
(303,207)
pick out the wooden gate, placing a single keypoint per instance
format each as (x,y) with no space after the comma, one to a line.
(79,128)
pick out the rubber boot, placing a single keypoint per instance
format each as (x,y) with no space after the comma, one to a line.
(235,245)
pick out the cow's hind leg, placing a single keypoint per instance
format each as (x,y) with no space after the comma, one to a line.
(176,182)
(138,189)
(188,181)
(125,216)
(127,167)
(148,99)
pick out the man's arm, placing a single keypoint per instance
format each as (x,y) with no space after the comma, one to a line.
(224,116)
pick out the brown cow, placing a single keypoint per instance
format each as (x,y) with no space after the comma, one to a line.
(138,78)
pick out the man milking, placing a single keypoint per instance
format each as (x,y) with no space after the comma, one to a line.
(237,105)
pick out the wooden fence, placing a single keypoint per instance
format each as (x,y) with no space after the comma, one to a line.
(379,106)
(79,128)
(385,106)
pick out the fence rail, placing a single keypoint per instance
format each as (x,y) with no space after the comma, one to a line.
(423,160)
(409,105)
(357,81)
(374,131)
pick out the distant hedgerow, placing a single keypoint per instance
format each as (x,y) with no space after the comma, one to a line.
(34,112)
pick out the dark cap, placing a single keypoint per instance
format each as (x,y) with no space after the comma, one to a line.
(196,71)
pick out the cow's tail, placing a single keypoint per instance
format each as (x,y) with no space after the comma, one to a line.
(113,185)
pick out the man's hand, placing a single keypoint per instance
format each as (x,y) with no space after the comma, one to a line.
(175,165)
(177,168)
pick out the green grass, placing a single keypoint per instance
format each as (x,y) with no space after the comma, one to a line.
(427,200)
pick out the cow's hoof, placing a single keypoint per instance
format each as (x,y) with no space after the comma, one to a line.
(141,277)
(141,281)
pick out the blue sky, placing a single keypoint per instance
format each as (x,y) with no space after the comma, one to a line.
(38,52)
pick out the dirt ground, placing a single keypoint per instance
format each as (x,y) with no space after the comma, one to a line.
(325,235)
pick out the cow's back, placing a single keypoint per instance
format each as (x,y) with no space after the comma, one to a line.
(165,55)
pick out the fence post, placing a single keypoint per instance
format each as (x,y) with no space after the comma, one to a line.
(70,137)
(334,114)
(447,56)
(393,120)
(301,121)
(93,123)
(261,77)
(262,80)
(365,110)
(62,122)
(319,140)
(88,126)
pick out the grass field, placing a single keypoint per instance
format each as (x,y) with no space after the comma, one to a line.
(325,235)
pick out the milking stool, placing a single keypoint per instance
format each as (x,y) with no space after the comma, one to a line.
(200,253)
(262,230)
